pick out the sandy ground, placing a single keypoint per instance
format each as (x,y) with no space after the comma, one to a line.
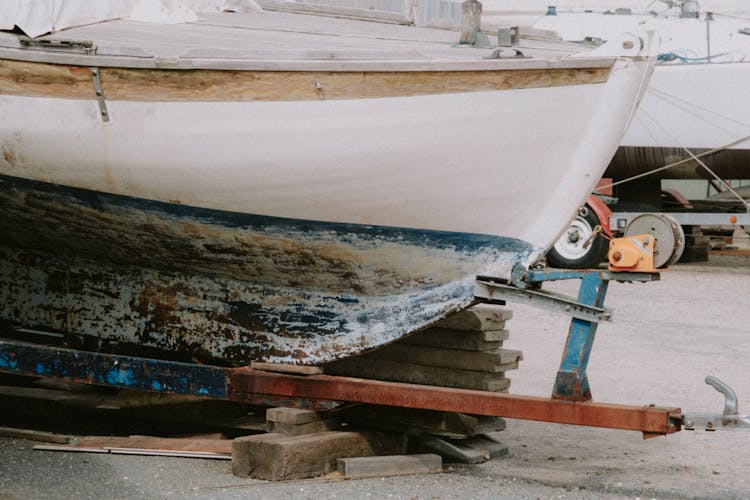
(665,338)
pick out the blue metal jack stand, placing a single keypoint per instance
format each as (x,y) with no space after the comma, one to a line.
(587,310)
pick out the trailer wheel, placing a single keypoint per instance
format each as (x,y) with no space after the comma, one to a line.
(568,252)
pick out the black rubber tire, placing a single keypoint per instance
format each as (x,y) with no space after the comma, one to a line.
(567,252)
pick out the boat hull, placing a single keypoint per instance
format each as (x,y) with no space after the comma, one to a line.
(300,230)
(225,286)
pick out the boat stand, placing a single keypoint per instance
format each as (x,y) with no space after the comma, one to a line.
(570,402)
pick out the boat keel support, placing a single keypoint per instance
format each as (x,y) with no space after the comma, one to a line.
(586,311)
(251,385)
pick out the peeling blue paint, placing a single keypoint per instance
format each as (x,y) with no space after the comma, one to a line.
(119,376)
(224,285)
(133,373)
(7,362)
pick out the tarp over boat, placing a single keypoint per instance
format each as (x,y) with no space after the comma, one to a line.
(37,17)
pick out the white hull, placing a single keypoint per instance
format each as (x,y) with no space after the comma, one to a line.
(514,163)
(303,225)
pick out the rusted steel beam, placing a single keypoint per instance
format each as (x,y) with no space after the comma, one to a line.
(245,382)
(324,391)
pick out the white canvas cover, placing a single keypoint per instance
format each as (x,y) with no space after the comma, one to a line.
(37,17)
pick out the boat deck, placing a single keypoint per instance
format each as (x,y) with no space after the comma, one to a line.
(234,40)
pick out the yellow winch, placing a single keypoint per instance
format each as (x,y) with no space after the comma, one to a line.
(651,242)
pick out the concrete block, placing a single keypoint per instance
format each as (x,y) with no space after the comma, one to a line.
(480,317)
(392,465)
(468,340)
(275,457)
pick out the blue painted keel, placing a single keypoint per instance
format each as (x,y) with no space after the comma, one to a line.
(226,286)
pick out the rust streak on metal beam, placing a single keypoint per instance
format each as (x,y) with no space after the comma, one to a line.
(649,420)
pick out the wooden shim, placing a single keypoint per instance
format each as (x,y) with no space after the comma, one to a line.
(294,416)
(170,453)
(482,361)
(157,443)
(286,368)
(419,374)
(415,421)
(47,437)
(136,451)
(480,317)
(300,429)
(69,448)
(390,465)
(468,340)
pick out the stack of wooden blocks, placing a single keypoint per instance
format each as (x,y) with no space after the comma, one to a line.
(464,350)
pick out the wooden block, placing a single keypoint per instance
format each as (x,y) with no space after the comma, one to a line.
(286,368)
(415,421)
(486,425)
(420,374)
(391,465)
(485,361)
(449,451)
(294,416)
(46,437)
(489,444)
(275,457)
(473,450)
(298,429)
(468,340)
(480,317)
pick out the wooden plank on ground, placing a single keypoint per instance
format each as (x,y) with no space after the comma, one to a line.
(33,435)
(137,451)
(157,443)
(390,465)
(275,457)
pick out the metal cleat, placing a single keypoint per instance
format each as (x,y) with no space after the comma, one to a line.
(730,419)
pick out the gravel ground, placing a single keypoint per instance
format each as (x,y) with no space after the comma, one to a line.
(665,338)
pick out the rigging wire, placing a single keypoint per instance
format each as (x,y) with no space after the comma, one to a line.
(731,16)
(667,96)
